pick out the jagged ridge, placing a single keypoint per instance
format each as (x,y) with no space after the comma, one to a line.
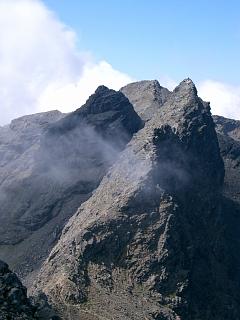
(150,241)
(42,187)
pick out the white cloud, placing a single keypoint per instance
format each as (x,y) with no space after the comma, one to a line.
(72,95)
(224,98)
(42,69)
(167,82)
(40,65)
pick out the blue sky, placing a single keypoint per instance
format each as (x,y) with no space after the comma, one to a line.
(147,39)
(55,53)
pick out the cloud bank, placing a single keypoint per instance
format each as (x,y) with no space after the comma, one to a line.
(40,66)
(224,98)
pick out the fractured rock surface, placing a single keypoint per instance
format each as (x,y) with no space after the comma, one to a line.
(146,97)
(155,241)
(228,131)
(157,238)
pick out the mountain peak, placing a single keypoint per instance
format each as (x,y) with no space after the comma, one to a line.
(146,96)
(104,99)
(127,238)
(140,222)
(186,88)
(102,89)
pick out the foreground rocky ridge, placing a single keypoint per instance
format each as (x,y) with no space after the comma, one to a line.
(50,164)
(14,303)
(155,239)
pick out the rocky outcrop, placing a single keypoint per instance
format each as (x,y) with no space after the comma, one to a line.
(50,164)
(14,304)
(228,127)
(155,239)
(228,131)
(146,97)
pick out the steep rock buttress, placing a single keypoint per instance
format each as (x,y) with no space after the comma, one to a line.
(153,241)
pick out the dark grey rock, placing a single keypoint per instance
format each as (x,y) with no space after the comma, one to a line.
(158,238)
(228,132)
(228,127)
(3,267)
(50,164)
(155,241)
(14,304)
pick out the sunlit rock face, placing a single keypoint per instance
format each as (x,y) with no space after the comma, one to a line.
(146,96)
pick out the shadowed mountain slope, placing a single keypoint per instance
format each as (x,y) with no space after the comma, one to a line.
(50,164)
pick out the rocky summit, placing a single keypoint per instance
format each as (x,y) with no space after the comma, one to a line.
(155,239)
(146,97)
(126,209)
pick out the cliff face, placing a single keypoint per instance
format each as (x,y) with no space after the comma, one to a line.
(155,239)
(228,132)
(50,164)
